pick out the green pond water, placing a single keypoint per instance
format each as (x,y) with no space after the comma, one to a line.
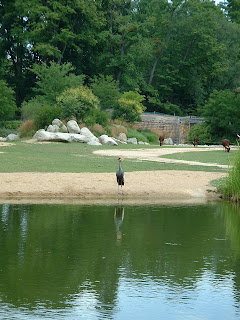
(119,262)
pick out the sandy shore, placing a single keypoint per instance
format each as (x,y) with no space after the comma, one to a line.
(140,187)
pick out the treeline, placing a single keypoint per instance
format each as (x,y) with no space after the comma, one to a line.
(177,57)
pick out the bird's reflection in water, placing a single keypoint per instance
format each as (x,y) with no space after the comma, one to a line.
(118,219)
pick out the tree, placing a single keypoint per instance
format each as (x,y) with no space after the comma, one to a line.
(54,78)
(105,88)
(233,10)
(79,103)
(13,46)
(7,102)
(129,107)
(221,112)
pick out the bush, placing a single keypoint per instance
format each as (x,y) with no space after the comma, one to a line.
(105,88)
(129,107)
(45,115)
(131,133)
(201,130)
(5,132)
(150,136)
(12,125)
(97,130)
(27,129)
(116,129)
(80,103)
(31,108)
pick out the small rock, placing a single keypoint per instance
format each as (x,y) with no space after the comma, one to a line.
(73,127)
(132,140)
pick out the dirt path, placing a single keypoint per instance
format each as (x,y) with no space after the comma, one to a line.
(140,187)
(155,154)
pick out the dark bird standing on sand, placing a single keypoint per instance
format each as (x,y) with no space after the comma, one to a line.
(120,175)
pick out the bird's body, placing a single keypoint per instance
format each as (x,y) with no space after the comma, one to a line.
(120,175)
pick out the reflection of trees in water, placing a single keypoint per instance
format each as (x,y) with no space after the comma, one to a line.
(52,254)
(61,249)
(231,213)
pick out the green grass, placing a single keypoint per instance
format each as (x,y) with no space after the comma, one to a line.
(230,187)
(218,156)
(78,157)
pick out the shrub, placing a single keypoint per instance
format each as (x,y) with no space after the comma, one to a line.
(31,108)
(127,110)
(80,103)
(27,129)
(45,115)
(5,132)
(131,133)
(97,130)
(129,107)
(12,125)
(116,129)
(201,130)
(150,136)
(105,88)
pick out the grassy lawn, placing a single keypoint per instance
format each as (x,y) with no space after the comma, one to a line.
(78,157)
(218,156)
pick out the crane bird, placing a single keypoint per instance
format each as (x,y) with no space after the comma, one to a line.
(120,175)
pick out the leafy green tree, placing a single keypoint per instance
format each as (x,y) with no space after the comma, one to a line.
(222,113)
(14,48)
(105,88)
(233,10)
(129,107)
(54,78)
(79,103)
(7,102)
(202,131)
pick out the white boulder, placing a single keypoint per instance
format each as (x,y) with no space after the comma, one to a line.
(104,139)
(94,143)
(122,136)
(57,122)
(12,137)
(53,128)
(132,140)
(91,137)
(42,135)
(3,139)
(75,137)
(168,141)
(73,127)
(63,128)
(119,141)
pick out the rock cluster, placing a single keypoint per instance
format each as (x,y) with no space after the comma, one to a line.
(57,131)
(10,137)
